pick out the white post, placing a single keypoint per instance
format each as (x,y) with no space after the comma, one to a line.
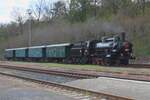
(30,28)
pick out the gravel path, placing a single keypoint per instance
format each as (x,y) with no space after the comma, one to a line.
(127,88)
(14,89)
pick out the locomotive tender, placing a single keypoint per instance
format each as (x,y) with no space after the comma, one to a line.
(107,51)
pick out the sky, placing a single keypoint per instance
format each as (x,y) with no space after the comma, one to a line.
(7,6)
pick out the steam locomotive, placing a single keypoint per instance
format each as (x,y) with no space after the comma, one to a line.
(108,51)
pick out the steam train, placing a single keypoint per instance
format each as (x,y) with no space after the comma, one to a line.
(108,51)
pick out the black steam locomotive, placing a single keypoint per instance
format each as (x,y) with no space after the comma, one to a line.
(107,51)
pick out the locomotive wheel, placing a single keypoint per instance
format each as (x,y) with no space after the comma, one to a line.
(125,61)
(84,60)
(94,61)
(117,62)
(107,62)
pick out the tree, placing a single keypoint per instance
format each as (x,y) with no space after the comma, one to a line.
(79,10)
(48,13)
(38,9)
(59,8)
(19,18)
(142,4)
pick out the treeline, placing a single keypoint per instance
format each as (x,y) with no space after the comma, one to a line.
(76,20)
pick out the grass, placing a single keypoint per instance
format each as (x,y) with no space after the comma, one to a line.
(99,68)
(96,68)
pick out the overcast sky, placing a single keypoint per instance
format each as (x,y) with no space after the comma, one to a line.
(6,7)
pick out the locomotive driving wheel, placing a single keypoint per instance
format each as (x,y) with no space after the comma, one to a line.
(125,61)
(107,62)
(93,61)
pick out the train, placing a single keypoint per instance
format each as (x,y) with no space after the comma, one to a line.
(114,50)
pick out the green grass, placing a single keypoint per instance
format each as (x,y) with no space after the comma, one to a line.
(98,68)
(72,66)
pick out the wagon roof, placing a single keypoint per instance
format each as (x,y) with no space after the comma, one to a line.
(58,45)
(54,45)
(37,47)
(15,49)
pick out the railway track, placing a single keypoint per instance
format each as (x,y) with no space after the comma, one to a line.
(89,95)
(78,75)
(138,66)
(54,72)
(83,74)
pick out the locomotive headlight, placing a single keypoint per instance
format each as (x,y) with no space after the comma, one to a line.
(114,50)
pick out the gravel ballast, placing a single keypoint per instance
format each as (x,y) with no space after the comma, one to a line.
(41,76)
(14,89)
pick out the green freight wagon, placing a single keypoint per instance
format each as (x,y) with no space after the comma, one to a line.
(58,51)
(9,53)
(36,52)
(21,52)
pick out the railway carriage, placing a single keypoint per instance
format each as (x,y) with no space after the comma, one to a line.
(20,53)
(9,54)
(58,52)
(37,53)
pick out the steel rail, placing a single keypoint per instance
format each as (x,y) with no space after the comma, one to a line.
(80,75)
(54,72)
(138,66)
(70,88)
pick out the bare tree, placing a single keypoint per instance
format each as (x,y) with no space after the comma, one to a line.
(48,13)
(54,10)
(143,6)
(19,18)
(38,9)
